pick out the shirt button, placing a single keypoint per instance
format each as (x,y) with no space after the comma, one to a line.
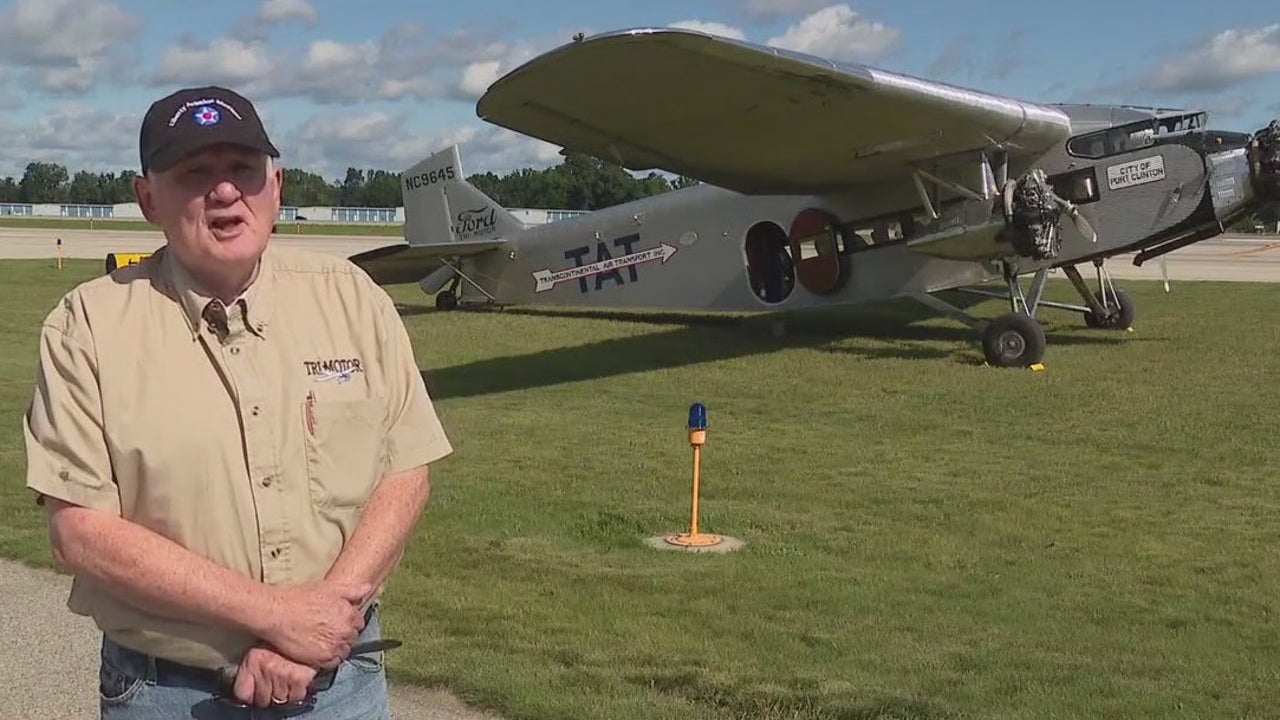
(275,552)
(256,410)
(235,351)
(266,481)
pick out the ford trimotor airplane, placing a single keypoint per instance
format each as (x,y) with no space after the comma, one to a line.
(822,183)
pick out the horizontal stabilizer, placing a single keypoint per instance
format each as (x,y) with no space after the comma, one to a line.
(403,263)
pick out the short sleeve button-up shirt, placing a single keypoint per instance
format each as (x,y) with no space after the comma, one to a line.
(251,433)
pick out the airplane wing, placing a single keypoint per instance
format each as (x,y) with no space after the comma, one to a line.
(752,118)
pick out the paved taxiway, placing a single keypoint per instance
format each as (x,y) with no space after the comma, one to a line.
(28,243)
(50,659)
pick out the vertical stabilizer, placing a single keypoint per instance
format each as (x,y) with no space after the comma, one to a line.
(442,208)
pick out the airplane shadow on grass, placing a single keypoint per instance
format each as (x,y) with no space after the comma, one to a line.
(892,328)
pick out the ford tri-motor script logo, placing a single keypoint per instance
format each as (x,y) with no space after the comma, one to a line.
(481,221)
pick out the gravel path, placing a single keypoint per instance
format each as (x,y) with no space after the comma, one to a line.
(49,658)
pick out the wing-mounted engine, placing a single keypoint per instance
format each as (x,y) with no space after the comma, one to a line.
(1265,162)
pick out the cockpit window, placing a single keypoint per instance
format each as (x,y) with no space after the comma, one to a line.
(1133,136)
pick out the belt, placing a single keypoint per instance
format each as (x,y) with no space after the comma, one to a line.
(221,680)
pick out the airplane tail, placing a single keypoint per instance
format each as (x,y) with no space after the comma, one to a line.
(442,210)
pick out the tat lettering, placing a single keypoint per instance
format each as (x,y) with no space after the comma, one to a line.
(606,264)
(608,271)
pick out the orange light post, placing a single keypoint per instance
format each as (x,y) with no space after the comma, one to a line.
(697,438)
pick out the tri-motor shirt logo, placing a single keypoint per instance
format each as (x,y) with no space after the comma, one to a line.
(340,369)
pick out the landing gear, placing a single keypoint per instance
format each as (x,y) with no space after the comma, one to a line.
(1108,308)
(447,299)
(1013,340)
(1016,339)
(1119,312)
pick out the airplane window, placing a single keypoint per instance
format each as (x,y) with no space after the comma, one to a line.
(1079,186)
(1131,137)
(770,269)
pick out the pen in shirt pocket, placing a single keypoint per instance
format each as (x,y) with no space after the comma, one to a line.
(311,413)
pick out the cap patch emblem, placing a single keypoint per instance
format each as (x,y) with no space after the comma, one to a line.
(205,112)
(207,115)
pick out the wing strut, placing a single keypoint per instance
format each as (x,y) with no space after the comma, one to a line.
(924,196)
(457,268)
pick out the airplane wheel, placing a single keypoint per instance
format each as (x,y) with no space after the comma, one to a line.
(1013,340)
(446,301)
(1119,319)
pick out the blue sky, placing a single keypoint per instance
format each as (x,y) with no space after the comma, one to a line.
(382,83)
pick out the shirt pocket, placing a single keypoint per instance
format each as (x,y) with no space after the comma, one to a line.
(343,440)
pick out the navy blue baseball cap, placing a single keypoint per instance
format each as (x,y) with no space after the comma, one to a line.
(190,119)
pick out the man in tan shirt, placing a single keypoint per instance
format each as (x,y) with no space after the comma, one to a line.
(230,440)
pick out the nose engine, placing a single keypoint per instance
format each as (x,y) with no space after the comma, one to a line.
(1264,162)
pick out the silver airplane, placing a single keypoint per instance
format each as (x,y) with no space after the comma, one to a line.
(822,183)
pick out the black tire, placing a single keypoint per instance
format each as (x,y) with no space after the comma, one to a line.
(1118,318)
(1013,340)
(446,301)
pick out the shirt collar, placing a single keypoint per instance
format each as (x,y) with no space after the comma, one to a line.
(258,297)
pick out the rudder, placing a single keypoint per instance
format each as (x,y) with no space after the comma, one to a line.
(442,208)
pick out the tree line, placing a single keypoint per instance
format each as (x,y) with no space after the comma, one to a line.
(579,182)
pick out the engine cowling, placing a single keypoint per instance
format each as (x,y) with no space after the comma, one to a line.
(1264,162)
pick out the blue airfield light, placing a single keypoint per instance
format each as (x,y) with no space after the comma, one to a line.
(697,416)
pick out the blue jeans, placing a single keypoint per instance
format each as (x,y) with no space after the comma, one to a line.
(132,685)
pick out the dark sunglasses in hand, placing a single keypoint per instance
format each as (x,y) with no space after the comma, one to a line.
(322,681)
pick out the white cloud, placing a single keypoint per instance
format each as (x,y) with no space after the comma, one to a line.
(1223,60)
(838,33)
(405,63)
(329,144)
(225,61)
(488,62)
(478,76)
(274,11)
(63,136)
(714,28)
(67,45)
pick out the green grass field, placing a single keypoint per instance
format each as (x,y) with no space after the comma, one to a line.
(282,228)
(925,537)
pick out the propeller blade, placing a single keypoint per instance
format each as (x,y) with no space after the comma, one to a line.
(1076,218)
(1083,226)
(1164,270)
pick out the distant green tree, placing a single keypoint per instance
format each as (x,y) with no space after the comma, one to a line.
(578,182)
(43,182)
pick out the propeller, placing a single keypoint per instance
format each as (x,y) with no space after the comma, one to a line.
(1077,219)
(1038,179)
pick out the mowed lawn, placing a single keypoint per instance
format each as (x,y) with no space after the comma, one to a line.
(926,537)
